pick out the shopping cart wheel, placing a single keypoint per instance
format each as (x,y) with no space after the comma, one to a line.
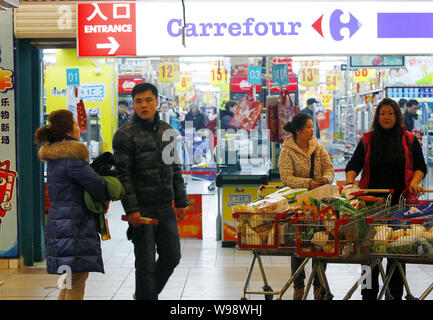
(268,289)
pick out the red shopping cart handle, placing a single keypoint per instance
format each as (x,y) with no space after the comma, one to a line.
(143,220)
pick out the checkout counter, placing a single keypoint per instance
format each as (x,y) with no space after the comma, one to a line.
(238,183)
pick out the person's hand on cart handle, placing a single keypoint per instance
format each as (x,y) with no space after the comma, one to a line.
(415,188)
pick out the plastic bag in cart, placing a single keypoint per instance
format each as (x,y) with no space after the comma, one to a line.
(425,211)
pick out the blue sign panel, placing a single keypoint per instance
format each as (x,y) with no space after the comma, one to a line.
(255,74)
(280,75)
(73,77)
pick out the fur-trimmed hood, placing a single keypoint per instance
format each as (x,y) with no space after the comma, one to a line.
(63,150)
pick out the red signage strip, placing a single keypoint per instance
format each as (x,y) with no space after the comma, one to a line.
(106,29)
(126,84)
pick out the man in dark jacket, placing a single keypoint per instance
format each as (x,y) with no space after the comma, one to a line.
(146,158)
(310,111)
(410,114)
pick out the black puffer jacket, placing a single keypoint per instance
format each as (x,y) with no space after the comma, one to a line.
(149,182)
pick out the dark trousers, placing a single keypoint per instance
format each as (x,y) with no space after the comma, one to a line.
(395,284)
(295,262)
(151,275)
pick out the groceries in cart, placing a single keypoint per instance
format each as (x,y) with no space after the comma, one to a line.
(263,223)
(414,240)
(405,232)
(334,224)
(288,193)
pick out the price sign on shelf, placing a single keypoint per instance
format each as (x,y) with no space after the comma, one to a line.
(280,75)
(168,72)
(255,74)
(309,77)
(218,76)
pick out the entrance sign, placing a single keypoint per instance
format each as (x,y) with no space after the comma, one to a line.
(106,29)
(154,28)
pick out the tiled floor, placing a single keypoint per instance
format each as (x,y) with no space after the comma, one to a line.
(206,272)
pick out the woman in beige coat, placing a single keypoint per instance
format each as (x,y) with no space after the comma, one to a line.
(304,163)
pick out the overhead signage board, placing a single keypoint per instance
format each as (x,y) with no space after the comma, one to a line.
(154,28)
(106,29)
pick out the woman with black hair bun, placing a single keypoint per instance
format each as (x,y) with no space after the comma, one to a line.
(304,163)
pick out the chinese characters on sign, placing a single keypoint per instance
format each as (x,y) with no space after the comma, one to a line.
(106,29)
(8,194)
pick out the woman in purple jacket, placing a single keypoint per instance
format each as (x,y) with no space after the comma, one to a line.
(72,240)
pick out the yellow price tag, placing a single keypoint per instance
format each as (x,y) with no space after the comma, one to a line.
(364,75)
(185,82)
(331,82)
(218,76)
(327,100)
(309,77)
(168,72)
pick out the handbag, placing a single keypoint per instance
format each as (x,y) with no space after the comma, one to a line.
(247,113)
(286,111)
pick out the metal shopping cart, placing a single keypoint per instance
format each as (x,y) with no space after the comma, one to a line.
(279,234)
(405,235)
(331,239)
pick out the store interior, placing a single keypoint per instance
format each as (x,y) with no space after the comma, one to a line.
(347,90)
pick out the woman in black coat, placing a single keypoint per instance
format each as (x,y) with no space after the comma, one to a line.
(72,240)
(389,157)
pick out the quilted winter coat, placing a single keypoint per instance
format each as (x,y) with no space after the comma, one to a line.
(139,147)
(71,235)
(295,165)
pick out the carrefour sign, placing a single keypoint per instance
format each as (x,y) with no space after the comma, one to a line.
(260,28)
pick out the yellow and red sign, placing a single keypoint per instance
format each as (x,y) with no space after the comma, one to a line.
(168,69)
(333,80)
(5,80)
(364,75)
(218,74)
(191,225)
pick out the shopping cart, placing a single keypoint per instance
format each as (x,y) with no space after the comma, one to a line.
(335,240)
(266,234)
(404,235)
(278,234)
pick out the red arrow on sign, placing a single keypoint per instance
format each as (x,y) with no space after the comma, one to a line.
(113,45)
(103,26)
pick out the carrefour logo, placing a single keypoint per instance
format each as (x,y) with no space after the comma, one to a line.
(336,25)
